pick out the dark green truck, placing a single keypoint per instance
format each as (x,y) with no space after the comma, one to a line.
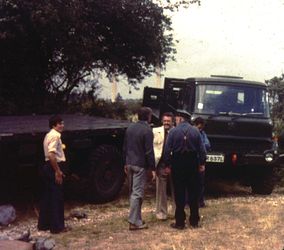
(238,124)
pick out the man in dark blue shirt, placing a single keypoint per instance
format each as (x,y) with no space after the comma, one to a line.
(200,124)
(138,157)
(186,154)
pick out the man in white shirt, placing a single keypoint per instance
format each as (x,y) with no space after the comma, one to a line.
(51,216)
(160,136)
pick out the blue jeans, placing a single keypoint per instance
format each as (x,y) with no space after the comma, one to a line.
(136,178)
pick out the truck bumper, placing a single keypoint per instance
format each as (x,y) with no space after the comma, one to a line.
(268,158)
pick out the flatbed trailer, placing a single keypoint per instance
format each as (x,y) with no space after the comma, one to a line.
(93,151)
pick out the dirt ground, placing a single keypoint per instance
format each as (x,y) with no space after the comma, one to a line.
(232,219)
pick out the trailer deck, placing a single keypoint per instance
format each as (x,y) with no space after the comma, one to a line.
(38,124)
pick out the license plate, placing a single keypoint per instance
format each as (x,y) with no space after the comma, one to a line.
(215,158)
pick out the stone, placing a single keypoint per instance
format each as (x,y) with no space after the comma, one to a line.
(15,244)
(16,234)
(44,244)
(78,214)
(7,214)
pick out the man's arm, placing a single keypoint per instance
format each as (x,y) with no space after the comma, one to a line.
(201,149)
(206,141)
(149,150)
(201,153)
(168,149)
(58,173)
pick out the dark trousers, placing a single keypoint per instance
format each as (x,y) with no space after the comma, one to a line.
(186,180)
(51,215)
(202,189)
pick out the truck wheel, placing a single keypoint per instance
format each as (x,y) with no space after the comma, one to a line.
(263,181)
(106,174)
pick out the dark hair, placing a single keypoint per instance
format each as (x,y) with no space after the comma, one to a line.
(170,114)
(54,120)
(183,113)
(199,120)
(143,113)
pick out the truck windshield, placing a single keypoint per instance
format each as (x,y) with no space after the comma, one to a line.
(241,100)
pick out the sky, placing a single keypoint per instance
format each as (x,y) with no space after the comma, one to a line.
(223,37)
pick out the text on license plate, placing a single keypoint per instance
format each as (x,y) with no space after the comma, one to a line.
(215,158)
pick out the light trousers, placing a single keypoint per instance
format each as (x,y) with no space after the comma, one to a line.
(162,180)
(136,179)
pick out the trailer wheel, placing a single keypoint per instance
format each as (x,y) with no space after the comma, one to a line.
(106,174)
(263,181)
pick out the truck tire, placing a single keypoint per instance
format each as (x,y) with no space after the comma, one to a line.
(106,174)
(263,181)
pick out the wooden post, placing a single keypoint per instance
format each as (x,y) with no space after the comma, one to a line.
(158,77)
(113,89)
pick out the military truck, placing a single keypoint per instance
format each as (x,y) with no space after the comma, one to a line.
(93,150)
(238,124)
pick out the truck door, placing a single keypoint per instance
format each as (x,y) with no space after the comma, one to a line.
(152,98)
(178,95)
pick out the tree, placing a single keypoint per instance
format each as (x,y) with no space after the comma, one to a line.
(276,94)
(49,47)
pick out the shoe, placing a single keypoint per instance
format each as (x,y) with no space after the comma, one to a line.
(179,227)
(58,231)
(135,227)
(42,228)
(194,226)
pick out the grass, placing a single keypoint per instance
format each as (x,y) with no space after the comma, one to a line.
(233,219)
(241,221)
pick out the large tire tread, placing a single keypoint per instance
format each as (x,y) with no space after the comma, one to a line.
(105,160)
(263,181)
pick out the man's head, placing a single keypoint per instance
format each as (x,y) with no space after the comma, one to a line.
(181,116)
(178,119)
(145,114)
(167,120)
(199,123)
(56,122)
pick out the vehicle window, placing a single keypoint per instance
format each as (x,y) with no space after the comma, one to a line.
(175,96)
(233,99)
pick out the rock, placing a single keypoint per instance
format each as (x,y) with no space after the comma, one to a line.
(25,236)
(16,235)
(44,244)
(15,244)
(7,214)
(78,214)
(3,237)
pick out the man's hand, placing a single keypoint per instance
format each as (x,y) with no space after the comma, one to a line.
(59,177)
(167,170)
(125,169)
(153,175)
(201,168)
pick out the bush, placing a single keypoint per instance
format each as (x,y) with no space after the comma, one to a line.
(124,109)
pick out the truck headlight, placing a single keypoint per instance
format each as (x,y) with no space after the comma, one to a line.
(268,157)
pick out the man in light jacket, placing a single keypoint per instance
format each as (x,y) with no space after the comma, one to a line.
(162,177)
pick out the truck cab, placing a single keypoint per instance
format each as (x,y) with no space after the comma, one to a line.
(238,123)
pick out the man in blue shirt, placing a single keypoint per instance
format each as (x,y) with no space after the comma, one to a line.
(185,153)
(200,123)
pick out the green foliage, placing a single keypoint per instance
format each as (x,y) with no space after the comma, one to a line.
(276,93)
(119,110)
(50,47)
